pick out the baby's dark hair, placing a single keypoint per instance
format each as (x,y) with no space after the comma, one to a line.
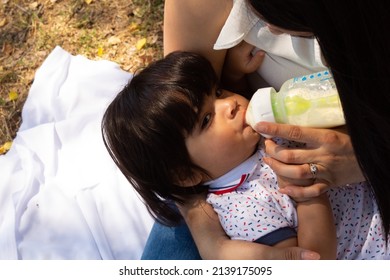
(145,126)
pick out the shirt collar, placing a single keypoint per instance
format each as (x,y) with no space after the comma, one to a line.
(235,177)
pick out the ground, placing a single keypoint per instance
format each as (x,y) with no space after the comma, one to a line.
(128,32)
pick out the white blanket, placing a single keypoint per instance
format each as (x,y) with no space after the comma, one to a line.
(61,195)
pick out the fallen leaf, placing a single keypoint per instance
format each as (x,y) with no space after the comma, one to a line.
(139,12)
(88,1)
(100,52)
(140,43)
(3,22)
(12,95)
(5,147)
(113,40)
(133,26)
(33,5)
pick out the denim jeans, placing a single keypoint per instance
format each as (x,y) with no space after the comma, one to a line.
(170,243)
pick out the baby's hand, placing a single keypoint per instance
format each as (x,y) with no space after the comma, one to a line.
(240,61)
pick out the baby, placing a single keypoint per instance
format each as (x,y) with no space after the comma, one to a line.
(174,133)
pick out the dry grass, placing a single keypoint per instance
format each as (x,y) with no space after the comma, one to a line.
(98,29)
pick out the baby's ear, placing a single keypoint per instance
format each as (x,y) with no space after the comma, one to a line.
(188,181)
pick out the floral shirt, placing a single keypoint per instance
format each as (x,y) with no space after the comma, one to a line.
(250,207)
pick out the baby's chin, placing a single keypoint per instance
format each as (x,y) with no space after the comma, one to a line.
(252,131)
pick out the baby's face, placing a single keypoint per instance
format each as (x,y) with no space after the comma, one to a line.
(221,139)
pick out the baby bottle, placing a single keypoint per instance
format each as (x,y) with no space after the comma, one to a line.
(310,100)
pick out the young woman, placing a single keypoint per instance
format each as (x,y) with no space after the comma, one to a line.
(353,40)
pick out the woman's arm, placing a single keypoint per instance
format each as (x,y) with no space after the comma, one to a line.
(194,25)
(330,149)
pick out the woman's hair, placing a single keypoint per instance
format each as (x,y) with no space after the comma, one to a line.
(145,126)
(353,36)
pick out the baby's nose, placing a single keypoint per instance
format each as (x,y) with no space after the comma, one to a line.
(229,107)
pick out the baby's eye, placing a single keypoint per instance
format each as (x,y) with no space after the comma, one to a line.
(206,120)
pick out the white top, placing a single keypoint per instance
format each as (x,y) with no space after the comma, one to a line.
(286,56)
(257,211)
(61,195)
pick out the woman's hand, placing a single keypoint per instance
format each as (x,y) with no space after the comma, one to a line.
(330,150)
